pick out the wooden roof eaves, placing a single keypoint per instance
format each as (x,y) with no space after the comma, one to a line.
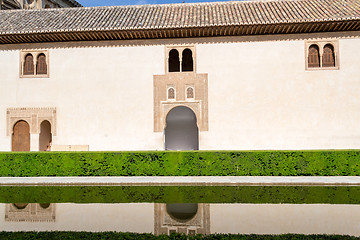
(206,31)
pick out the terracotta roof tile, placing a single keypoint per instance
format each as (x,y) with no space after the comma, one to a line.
(177,15)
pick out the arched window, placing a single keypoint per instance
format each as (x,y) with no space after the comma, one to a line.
(174,62)
(171,93)
(190,92)
(187,61)
(41,66)
(29,65)
(314,56)
(328,58)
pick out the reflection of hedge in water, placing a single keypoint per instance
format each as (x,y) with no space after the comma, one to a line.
(202,163)
(146,236)
(190,194)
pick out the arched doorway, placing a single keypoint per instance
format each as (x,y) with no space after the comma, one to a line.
(181,132)
(21,137)
(45,136)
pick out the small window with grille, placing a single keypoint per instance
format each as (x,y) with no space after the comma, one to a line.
(41,65)
(190,93)
(314,56)
(328,58)
(171,94)
(29,64)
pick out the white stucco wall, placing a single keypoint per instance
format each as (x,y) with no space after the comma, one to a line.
(260,95)
(103,96)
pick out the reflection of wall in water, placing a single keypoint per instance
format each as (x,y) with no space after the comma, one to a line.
(167,223)
(98,217)
(30,212)
(339,219)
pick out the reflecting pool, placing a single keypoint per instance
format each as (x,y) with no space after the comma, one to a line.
(189,210)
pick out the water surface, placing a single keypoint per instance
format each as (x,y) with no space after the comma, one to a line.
(190,210)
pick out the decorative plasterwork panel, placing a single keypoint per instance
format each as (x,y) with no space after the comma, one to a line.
(33,116)
(165,224)
(32,212)
(180,81)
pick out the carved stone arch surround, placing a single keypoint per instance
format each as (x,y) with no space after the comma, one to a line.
(33,116)
(194,106)
(180,81)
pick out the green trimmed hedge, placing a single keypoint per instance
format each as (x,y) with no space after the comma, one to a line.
(182,194)
(146,236)
(194,163)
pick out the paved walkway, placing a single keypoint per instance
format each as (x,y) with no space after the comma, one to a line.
(175,181)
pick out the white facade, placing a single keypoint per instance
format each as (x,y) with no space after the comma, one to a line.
(260,93)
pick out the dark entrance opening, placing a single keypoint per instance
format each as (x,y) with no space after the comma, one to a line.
(45,136)
(181,132)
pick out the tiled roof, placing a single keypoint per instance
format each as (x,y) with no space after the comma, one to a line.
(182,16)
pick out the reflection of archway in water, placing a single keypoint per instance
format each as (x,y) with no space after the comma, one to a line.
(181,132)
(20,205)
(182,211)
(44,205)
